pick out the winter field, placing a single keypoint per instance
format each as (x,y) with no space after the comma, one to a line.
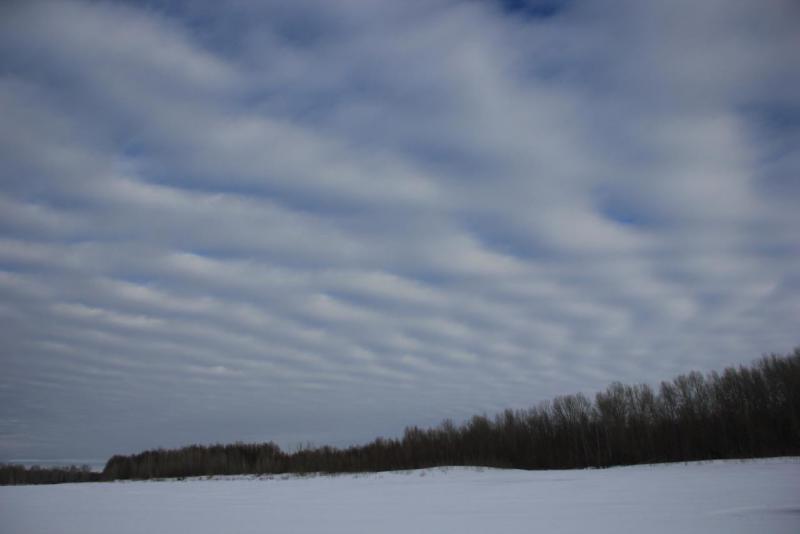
(759,496)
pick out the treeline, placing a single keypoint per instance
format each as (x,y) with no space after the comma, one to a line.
(11,474)
(745,412)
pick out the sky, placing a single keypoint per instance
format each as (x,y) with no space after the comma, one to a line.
(320,222)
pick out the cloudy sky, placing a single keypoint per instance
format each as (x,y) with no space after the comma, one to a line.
(323,221)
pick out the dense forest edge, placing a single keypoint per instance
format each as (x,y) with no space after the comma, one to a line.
(745,412)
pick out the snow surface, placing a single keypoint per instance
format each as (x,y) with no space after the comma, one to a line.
(760,496)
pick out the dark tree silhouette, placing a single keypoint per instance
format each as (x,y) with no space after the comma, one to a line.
(743,412)
(11,474)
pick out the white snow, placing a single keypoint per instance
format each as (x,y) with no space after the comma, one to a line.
(760,496)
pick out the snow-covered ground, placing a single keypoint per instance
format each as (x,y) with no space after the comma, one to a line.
(761,496)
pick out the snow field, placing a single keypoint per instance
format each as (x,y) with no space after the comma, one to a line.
(758,496)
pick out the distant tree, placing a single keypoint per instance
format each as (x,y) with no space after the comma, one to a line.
(742,412)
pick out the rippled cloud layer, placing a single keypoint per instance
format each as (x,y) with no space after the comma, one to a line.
(327,221)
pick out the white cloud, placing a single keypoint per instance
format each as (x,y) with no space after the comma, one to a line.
(340,215)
